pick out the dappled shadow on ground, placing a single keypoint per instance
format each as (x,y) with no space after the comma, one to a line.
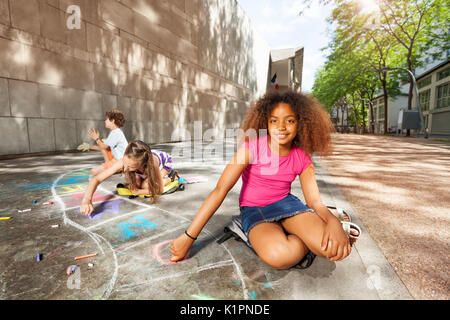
(399,187)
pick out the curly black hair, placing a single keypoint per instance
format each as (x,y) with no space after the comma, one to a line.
(314,126)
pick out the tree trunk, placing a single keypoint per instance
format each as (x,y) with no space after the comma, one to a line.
(356,127)
(385,98)
(372,120)
(364,118)
(411,88)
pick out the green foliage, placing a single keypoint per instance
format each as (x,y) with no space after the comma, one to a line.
(392,34)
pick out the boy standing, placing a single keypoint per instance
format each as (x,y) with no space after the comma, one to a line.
(113,148)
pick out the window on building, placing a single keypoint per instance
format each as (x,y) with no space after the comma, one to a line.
(381,110)
(425,99)
(444,73)
(424,82)
(443,96)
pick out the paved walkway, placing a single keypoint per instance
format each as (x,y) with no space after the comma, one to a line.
(131,239)
(400,188)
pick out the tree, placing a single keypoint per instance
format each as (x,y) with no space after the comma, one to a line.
(390,34)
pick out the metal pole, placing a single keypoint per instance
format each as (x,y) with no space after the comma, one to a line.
(422,125)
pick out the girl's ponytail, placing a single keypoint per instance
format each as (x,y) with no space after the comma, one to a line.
(152,174)
(141,152)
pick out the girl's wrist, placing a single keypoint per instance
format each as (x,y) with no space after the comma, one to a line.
(190,236)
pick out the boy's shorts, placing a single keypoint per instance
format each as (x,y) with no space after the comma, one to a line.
(111,161)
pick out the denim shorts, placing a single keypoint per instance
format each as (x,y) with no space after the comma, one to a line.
(284,208)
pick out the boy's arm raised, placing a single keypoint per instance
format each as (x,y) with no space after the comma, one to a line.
(180,246)
(86,207)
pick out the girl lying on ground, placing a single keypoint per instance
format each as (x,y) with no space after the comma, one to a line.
(147,172)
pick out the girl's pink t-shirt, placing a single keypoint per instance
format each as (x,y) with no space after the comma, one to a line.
(268,177)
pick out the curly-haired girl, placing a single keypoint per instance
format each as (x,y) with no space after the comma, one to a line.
(288,128)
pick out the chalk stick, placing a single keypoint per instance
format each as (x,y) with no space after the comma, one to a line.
(25,210)
(90,265)
(55,225)
(39,257)
(71,269)
(5,218)
(86,256)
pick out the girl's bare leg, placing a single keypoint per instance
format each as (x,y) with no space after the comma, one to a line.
(95,171)
(309,227)
(165,178)
(275,248)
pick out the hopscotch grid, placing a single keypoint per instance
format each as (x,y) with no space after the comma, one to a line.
(238,269)
(180,274)
(138,243)
(94,202)
(95,236)
(116,218)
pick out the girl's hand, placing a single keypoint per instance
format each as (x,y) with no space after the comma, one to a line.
(137,191)
(334,241)
(86,208)
(180,247)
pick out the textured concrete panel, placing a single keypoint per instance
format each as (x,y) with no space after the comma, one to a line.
(147,29)
(4,12)
(24,99)
(79,74)
(118,15)
(139,110)
(65,134)
(53,24)
(83,127)
(170,93)
(109,102)
(72,103)
(83,104)
(103,78)
(164,64)
(17,128)
(124,105)
(13,61)
(46,67)
(89,9)
(92,106)
(25,15)
(4,98)
(51,101)
(131,53)
(77,38)
(41,133)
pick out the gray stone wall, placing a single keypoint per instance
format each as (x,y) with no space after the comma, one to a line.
(165,64)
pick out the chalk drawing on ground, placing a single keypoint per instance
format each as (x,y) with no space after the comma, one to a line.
(128,232)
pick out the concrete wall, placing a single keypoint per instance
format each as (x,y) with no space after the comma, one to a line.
(165,64)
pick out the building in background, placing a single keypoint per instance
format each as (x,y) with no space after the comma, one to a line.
(286,65)
(434,93)
(433,82)
(165,64)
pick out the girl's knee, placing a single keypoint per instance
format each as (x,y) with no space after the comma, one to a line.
(284,255)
